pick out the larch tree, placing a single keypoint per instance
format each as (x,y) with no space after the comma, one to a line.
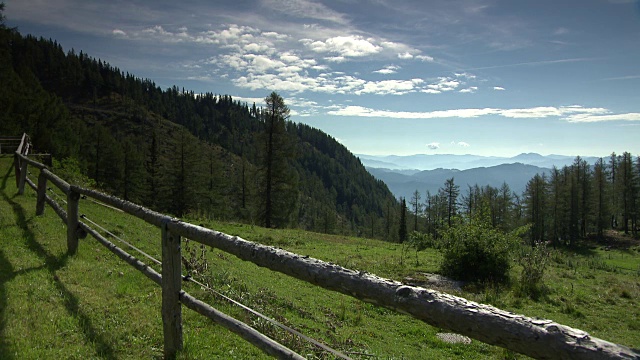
(451,192)
(402,230)
(535,203)
(416,205)
(278,193)
(600,194)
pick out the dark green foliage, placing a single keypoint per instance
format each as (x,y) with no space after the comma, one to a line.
(474,251)
(277,184)
(74,106)
(402,230)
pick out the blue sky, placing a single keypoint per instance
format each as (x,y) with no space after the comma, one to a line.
(484,77)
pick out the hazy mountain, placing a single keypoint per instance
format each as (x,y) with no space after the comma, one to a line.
(515,175)
(464,162)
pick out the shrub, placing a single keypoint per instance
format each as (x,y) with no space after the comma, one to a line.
(475,251)
(70,170)
(419,241)
(534,260)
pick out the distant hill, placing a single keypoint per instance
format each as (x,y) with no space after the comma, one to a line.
(515,175)
(464,162)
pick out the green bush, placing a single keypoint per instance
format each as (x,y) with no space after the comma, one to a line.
(534,261)
(69,169)
(475,251)
(418,241)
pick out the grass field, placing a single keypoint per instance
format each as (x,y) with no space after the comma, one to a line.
(91,305)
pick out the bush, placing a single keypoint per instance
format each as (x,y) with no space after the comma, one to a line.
(476,252)
(534,260)
(69,169)
(419,241)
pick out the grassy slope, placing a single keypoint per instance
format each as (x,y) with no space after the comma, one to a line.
(92,305)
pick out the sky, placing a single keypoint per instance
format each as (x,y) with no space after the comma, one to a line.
(402,77)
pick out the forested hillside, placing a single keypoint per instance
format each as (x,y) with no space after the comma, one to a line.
(177,151)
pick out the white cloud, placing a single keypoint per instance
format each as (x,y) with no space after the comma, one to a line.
(337,59)
(498,88)
(405,56)
(387,70)
(471,89)
(346,46)
(275,35)
(250,100)
(426,58)
(598,118)
(118,32)
(253,47)
(574,113)
(433,145)
(463,144)
(353,110)
(465,75)
(394,87)
(443,84)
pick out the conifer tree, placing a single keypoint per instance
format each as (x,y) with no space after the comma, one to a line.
(278,191)
(402,230)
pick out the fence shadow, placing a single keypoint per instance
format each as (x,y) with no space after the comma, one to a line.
(52,263)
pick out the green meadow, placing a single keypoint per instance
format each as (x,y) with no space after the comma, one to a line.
(93,306)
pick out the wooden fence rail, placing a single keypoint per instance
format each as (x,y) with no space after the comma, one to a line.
(537,338)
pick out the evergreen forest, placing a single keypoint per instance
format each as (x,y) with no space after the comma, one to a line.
(204,155)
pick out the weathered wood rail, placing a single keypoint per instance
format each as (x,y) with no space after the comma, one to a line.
(538,338)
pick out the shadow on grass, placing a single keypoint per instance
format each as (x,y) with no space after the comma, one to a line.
(52,264)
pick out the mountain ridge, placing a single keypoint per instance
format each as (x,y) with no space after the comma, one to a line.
(515,175)
(464,162)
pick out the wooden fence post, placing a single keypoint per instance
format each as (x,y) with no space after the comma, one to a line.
(42,193)
(16,165)
(23,177)
(171,286)
(72,221)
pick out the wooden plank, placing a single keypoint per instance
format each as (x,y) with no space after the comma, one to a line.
(171,286)
(248,333)
(61,184)
(23,177)
(150,216)
(72,222)
(145,269)
(32,162)
(42,193)
(56,208)
(16,165)
(533,337)
(31,184)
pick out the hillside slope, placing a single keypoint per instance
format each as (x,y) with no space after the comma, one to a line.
(171,149)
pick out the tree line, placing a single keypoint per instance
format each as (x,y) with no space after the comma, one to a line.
(567,205)
(185,153)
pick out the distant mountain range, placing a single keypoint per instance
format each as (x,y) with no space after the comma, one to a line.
(463,162)
(403,183)
(405,174)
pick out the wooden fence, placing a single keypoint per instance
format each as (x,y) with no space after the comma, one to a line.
(537,338)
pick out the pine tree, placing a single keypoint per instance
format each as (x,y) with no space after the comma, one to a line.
(416,205)
(535,203)
(278,191)
(451,192)
(402,230)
